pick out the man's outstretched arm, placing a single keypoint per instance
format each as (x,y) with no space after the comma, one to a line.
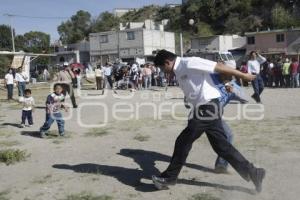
(224,69)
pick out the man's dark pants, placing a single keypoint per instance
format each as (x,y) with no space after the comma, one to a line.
(258,87)
(213,128)
(10,91)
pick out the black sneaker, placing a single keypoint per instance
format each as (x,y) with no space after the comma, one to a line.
(163,183)
(257,177)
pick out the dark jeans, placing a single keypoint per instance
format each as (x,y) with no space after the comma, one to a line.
(10,91)
(27,114)
(287,80)
(110,82)
(21,88)
(214,130)
(50,118)
(67,88)
(258,87)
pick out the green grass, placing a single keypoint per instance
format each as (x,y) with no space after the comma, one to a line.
(6,132)
(9,143)
(141,138)
(12,156)
(3,195)
(87,196)
(203,197)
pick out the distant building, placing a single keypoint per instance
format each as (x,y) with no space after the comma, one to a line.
(219,43)
(73,53)
(133,40)
(275,42)
(172,5)
(119,12)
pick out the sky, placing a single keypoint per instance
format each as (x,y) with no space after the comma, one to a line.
(60,8)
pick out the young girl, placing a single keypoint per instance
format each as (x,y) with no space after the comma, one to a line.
(28,107)
(54,104)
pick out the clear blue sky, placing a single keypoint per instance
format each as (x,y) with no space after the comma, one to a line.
(61,8)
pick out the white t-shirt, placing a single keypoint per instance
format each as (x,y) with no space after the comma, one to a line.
(107,71)
(99,72)
(9,78)
(194,76)
(28,103)
(254,65)
(21,77)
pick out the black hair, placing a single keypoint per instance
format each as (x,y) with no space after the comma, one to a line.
(27,91)
(56,85)
(162,56)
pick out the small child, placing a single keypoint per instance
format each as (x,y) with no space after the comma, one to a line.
(54,104)
(28,107)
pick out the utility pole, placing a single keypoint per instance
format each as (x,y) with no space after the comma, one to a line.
(11,30)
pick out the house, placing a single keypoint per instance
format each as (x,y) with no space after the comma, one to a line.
(119,12)
(282,42)
(73,53)
(133,40)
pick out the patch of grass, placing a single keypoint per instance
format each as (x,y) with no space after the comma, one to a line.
(9,143)
(203,197)
(11,156)
(87,196)
(3,195)
(96,132)
(141,138)
(6,132)
(42,180)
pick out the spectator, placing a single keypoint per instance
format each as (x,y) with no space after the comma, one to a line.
(286,72)
(147,76)
(65,77)
(99,77)
(294,73)
(108,75)
(9,83)
(46,75)
(21,79)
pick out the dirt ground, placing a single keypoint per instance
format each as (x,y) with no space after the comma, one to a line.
(116,161)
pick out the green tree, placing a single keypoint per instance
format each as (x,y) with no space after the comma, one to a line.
(75,29)
(5,35)
(36,42)
(281,18)
(105,22)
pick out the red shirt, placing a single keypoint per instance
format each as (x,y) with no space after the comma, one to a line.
(294,68)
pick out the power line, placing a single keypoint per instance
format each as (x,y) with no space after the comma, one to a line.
(32,17)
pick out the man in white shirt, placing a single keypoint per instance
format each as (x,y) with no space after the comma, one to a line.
(254,68)
(21,79)
(195,80)
(9,83)
(108,75)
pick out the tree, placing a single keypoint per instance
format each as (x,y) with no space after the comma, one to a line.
(5,38)
(75,29)
(105,22)
(281,18)
(36,42)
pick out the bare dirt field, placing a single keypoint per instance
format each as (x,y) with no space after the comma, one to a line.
(110,154)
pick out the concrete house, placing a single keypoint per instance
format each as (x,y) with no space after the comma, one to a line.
(132,41)
(284,42)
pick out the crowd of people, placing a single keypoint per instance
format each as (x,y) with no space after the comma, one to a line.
(278,73)
(135,77)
